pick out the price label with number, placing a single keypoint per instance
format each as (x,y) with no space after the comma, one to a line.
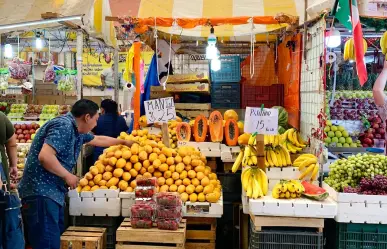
(160,110)
(261,120)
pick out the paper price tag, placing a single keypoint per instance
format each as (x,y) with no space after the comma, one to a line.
(160,110)
(263,121)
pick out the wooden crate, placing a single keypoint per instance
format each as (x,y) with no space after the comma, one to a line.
(201,233)
(195,113)
(83,237)
(136,238)
(260,222)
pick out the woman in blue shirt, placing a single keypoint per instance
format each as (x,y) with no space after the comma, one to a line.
(110,123)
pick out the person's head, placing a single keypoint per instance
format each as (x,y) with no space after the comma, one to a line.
(109,106)
(86,114)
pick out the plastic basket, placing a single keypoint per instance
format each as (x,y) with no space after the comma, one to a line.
(255,96)
(285,239)
(225,96)
(353,236)
(230,70)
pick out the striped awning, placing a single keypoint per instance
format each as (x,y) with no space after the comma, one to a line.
(210,9)
(94,11)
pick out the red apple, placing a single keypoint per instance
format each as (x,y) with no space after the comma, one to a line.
(20,136)
(381,131)
(32,131)
(375,126)
(27,136)
(17,126)
(26,132)
(29,141)
(23,127)
(19,131)
(28,127)
(368,141)
(23,141)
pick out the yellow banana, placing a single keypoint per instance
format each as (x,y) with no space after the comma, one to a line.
(250,161)
(255,188)
(249,192)
(266,162)
(278,157)
(237,162)
(307,163)
(254,159)
(246,156)
(365,45)
(346,51)
(284,187)
(307,171)
(245,177)
(287,194)
(289,148)
(265,139)
(292,147)
(299,138)
(282,153)
(271,139)
(296,142)
(251,140)
(273,158)
(291,187)
(269,160)
(293,195)
(276,191)
(298,186)
(351,50)
(287,156)
(315,173)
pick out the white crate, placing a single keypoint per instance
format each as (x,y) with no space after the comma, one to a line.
(301,207)
(286,173)
(97,203)
(228,154)
(127,201)
(355,208)
(208,149)
(203,209)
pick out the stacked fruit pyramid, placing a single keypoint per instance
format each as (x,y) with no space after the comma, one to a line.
(180,170)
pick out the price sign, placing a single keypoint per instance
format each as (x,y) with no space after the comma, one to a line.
(160,110)
(261,120)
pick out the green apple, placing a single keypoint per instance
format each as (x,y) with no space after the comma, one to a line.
(328,140)
(353,145)
(340,128)
(335,140)
(345,133)
(348,140)
(338,134)
(341,140)
(334,128)
(327,128)
(339,145)
(329,123)
(331,134)
(346,145)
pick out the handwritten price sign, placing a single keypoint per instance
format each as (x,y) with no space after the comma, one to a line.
(263,121)
(160,110)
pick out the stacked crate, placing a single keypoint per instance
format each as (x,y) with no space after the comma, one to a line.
(225,87)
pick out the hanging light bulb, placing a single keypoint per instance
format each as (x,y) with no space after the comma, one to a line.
(39,43)
(8,53)
(211,50)
(333,38)
(215,64)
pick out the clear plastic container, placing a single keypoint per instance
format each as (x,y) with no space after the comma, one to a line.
(141,222)
(143,210)
(166,212)
(147,182)
(168,224)
(168,199)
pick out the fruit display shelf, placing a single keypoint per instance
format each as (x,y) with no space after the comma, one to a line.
(101,202)
(228,154)
(203,209)
(301,207)
(208,149)
(127,200)
(285,173)
(356,208)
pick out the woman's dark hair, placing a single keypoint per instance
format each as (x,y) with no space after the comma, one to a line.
(110,106)
(83,107)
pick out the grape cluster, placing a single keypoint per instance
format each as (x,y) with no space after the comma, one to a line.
(349,172)
(370,186)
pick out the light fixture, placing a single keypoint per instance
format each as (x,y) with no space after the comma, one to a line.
(333,38)
(40,22)
(215,64)
(38,43)
(8,53)
(211,50)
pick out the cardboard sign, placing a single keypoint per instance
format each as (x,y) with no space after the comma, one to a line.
(261,120)
(160,110)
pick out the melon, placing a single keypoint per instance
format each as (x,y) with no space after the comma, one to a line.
(230,114)
(216,126)
(231,132)
(183,132)
(282,116)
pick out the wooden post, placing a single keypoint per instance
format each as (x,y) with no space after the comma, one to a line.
(165,133)
(137,94)
(79,64)
(261,152)
(116,77)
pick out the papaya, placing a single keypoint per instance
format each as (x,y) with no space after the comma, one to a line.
(183,132)
(231,132)
(216,126)
(200,128)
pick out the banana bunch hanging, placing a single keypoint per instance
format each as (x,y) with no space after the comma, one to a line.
(383,43)
(349,49)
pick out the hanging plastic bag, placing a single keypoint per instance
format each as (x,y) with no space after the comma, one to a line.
(67,82)
(18,69)
(49,73)
(4,74)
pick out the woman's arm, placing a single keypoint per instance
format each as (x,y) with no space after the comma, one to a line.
(380,83)
(12,156)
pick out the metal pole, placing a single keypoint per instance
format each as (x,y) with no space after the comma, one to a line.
(116,76)
(79,64)
(33,78)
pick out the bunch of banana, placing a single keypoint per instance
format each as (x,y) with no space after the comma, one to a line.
(248,155)
(383,43)
(254,182)
(277,157)
(272,140)
(287,189)
(293,141)
(308,166)
(349,49)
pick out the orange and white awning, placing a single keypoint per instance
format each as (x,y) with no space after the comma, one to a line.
(210,9)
